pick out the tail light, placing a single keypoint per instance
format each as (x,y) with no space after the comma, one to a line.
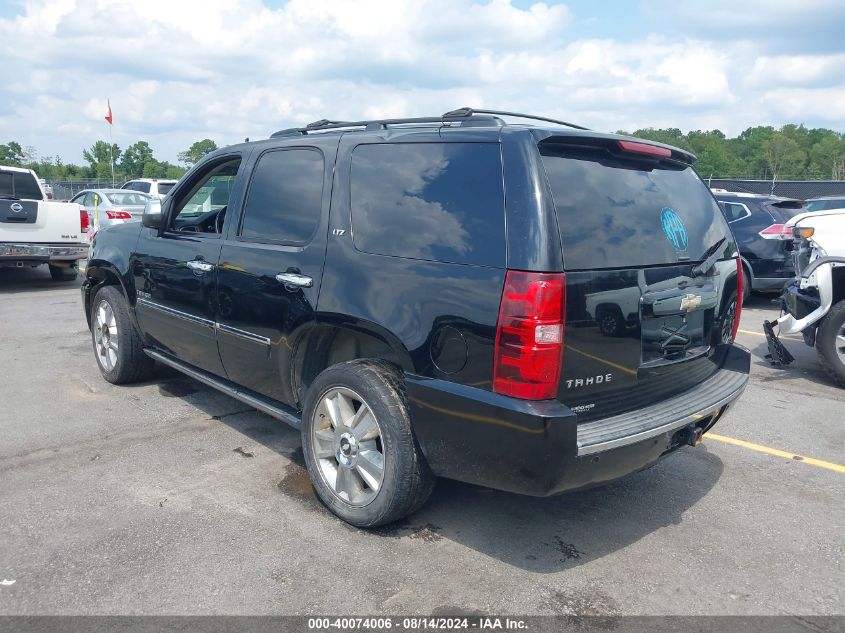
(529,335)
(644,148)
(776,232)
(740,289)
(118,215)
(84,222)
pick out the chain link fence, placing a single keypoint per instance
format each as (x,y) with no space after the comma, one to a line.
(67,189)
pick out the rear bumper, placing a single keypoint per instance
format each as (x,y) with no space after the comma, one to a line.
(538,448)
(11,252)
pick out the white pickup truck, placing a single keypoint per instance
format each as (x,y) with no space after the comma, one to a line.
(35,230)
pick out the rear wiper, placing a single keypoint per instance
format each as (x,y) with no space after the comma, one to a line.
(5,197)
(710,258)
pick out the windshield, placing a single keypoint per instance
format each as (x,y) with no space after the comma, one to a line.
(16,184)
(614,212)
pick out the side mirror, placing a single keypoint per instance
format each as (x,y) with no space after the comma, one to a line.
(152,214)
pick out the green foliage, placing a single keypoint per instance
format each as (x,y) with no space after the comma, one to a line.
(196,151)
(790,153)
(137,161)
(11,154)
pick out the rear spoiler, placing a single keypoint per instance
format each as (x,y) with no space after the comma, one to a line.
(619,145)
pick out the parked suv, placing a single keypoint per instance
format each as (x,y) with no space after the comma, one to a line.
(158,187)
(758,223)
(826,203)
(412,294)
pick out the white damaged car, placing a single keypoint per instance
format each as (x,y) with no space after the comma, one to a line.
(814,302)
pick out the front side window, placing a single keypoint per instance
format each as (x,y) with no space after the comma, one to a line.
(433,201)
(285,197)
(203,208)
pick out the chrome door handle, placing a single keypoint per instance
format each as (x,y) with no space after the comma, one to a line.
(295,280)
(199,265)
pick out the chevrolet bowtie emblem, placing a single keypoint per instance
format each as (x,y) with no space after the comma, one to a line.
(690,302)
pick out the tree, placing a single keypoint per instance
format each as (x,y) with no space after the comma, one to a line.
(99,153)
(11,154)
(135,159)
(196,151)
(784,156)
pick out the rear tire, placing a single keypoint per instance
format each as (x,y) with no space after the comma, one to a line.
(746,285)
(611,322)
(830,343)
(58,273)
(117,344)
(361,454)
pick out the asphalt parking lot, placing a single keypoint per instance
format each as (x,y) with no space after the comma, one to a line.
(169,498)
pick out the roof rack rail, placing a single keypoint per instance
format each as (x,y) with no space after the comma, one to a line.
(378,124)
(464,115)
(467,112)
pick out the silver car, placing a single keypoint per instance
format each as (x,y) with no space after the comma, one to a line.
(107,207)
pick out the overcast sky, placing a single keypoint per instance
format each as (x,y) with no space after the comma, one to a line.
(180,70)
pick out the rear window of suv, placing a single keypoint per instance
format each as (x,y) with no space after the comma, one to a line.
(18,184)
(433,201)
(620,212)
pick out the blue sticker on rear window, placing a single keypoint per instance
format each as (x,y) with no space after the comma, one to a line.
(674,229)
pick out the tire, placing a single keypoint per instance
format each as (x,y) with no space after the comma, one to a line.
(63,274)
(611,322)
(727,318)
(127,363)
(342,460)
(830,343)
(746,285)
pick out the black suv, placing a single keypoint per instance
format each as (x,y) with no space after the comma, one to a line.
(415,295)
(758,223)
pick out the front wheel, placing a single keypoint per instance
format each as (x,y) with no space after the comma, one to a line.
(361,455)
(117,344)
(830,343)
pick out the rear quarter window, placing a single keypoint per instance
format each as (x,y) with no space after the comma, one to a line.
(431,201)
(619,212)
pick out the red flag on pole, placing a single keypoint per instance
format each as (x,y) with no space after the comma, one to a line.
(109,116)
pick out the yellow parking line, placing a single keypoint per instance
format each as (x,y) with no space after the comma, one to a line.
(627,370)
(776,452)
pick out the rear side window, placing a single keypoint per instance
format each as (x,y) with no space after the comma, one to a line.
(735,211)
(165,187)
(618,212)
(285,197)
(433,201)
(21,185)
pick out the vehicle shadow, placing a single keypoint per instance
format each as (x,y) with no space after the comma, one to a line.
(33,280)
(543,535)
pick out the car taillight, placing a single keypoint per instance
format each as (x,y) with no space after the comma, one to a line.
(776,232)
(118,215)
(740,289)
(644,148)
(529,335)
(84,223)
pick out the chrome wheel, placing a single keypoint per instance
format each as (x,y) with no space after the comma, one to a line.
(105,335)
(840,344)
(348,447)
